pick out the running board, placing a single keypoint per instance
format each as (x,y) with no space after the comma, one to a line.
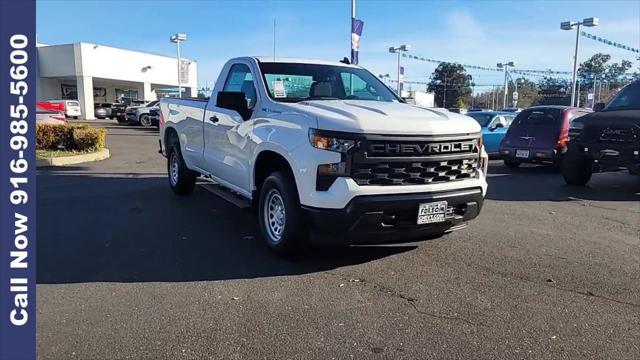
(227,195)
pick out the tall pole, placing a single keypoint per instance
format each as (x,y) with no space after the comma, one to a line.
(515,101)
(399,51)
(575,66)
(179,82)
(353,16)
(444,93)
(504,99)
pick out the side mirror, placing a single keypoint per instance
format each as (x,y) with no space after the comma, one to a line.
(232,100)
(599,106)
(496,126)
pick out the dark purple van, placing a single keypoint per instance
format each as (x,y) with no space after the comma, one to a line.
(539,134)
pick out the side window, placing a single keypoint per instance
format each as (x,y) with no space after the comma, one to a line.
(241,80)
(508,120)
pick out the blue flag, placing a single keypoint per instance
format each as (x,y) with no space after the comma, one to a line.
(356,32)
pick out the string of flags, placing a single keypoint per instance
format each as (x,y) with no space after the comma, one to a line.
(609,42)
(486,68)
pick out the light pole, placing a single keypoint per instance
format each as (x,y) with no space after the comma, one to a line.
(444,93)
(568,25)
(399,50)
(177,39)
(506,85)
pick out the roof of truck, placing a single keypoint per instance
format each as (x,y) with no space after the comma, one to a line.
(271,59)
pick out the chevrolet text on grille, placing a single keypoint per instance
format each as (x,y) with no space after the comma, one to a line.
(436,148)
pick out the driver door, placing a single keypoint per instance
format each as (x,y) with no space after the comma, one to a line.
(226,132)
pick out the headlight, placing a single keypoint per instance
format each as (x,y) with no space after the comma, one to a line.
(575,128)
(576,125)
(326,142)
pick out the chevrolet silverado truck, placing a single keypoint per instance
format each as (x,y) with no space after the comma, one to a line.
(605,140)
(326,154)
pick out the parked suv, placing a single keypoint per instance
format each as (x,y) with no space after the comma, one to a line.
(539,135)
(606,140)
(140,114)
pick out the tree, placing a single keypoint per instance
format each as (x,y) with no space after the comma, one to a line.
(451,85)
(554,91)
(598,67)
(527,92)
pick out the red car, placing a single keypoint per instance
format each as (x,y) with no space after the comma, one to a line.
(51,106)
(539,134)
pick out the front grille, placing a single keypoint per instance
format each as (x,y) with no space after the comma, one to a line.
(615,134)
(386,160)
(412,173)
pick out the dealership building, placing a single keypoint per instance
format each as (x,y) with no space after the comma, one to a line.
(93,73)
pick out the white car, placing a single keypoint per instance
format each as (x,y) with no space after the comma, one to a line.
(327,153)
(71,107)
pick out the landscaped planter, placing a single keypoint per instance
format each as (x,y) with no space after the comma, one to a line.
(73,159)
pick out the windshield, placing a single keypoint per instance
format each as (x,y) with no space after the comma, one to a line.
(627,99)
(482,119)
(293,82)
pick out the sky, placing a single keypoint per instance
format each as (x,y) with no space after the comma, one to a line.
(470,32)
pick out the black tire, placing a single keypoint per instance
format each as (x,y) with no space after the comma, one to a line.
(279,189)
(511,163)
(121,119)
(181,179)
(75,118)
(576,169)
(145,120)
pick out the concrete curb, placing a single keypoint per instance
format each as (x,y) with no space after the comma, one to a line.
(75,159)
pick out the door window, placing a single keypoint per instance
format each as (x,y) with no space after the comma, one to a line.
(241,80)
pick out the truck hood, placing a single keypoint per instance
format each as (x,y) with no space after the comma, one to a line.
(378,117)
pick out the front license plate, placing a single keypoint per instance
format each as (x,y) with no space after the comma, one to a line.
(522,154)
(432,212)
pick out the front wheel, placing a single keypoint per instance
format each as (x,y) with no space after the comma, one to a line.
(181,179)
(280,214)
(576,169)
(145,120)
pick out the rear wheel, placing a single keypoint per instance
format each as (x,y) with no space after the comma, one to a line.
(280,214)
(121,119)
(576,169)
(511,163)
(181,179)
(145,120)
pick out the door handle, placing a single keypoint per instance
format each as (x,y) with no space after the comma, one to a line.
(213,119)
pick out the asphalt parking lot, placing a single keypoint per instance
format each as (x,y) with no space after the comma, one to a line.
(128,270)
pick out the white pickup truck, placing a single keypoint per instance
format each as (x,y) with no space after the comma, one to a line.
(326,153)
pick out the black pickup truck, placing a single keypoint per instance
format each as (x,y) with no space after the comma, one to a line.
(605,140)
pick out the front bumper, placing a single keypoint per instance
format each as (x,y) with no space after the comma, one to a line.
(132,117)
(607,157)
(391,218)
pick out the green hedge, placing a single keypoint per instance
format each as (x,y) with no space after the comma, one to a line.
(81,138)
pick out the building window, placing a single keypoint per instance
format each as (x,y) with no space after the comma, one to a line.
(126,95)
(69,92)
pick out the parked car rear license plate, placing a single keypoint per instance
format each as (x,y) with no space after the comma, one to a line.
(522,154)
(432,212)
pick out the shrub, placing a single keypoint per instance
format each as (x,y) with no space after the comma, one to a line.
(80,138)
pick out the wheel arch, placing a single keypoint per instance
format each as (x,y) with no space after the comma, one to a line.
(267,162)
